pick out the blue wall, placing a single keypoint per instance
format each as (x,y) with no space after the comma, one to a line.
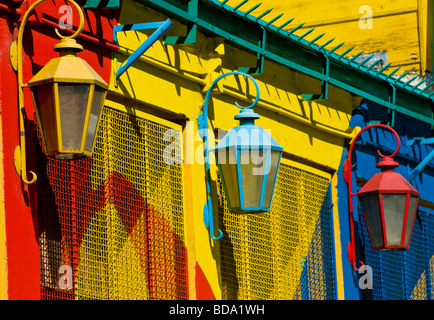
(394,273)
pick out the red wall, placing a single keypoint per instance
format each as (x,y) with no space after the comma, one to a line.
(20,199)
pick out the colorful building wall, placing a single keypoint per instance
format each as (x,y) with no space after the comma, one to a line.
(299,136)
(399,275)
(401,34)
(401,30)
(128,223)
(21,200)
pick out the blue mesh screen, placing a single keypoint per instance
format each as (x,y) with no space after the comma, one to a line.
(318,278)
(402,275)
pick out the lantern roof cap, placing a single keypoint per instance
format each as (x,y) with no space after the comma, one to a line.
(388,182)
(67,69)
(68,43)
(246,114)
(248,135)
(387,163)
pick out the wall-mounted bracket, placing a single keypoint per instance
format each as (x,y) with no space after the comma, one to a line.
(421,166)
(208,215)
(324,83)
(190,38)
(161,27)
(260,57)
(13,55)
(392,105)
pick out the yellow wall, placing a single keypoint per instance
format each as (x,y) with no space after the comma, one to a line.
(396,26)
(171,81)
(426,33)
(302,127)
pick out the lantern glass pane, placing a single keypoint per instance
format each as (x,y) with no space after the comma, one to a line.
(227,162)
(394,211)
(252,167)
(73,100)
(95,111)
(43,96)
(271,177)
(410,219)
(371,209)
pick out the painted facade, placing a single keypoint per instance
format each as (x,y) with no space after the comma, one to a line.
(127,223)
(400,30)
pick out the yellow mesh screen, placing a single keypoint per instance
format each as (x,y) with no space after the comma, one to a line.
(117,219)
(419,291)
(263,255)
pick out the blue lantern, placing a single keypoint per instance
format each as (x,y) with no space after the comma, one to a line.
(248,158)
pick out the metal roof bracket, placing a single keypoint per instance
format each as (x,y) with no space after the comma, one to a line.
(259,69)
(324,83)
(190,38)
(392,106)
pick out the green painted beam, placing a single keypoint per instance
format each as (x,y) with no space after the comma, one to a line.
(292,51)
(190,38)
(102,4)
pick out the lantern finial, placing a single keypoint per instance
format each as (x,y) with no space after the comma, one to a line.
(246,116)
(387,163)
(67,45)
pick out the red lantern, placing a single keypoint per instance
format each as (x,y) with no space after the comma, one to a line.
(389,207)
(389,204)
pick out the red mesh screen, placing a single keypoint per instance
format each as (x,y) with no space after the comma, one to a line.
(103,233)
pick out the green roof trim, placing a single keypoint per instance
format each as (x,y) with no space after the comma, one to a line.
(102,4)
(266,40)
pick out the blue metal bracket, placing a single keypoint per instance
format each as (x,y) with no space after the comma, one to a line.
(161,27)
(419,168)
(202,122)
(190,38)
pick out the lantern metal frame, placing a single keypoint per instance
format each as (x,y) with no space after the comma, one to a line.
(16,54)
(248,137)
(63,75)
(387,161)
(245,113)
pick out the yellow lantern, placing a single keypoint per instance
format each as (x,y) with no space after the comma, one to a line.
(68,96)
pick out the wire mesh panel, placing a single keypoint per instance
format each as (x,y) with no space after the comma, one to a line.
(287,253)
(402,275)
(112,227)
(318,280)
